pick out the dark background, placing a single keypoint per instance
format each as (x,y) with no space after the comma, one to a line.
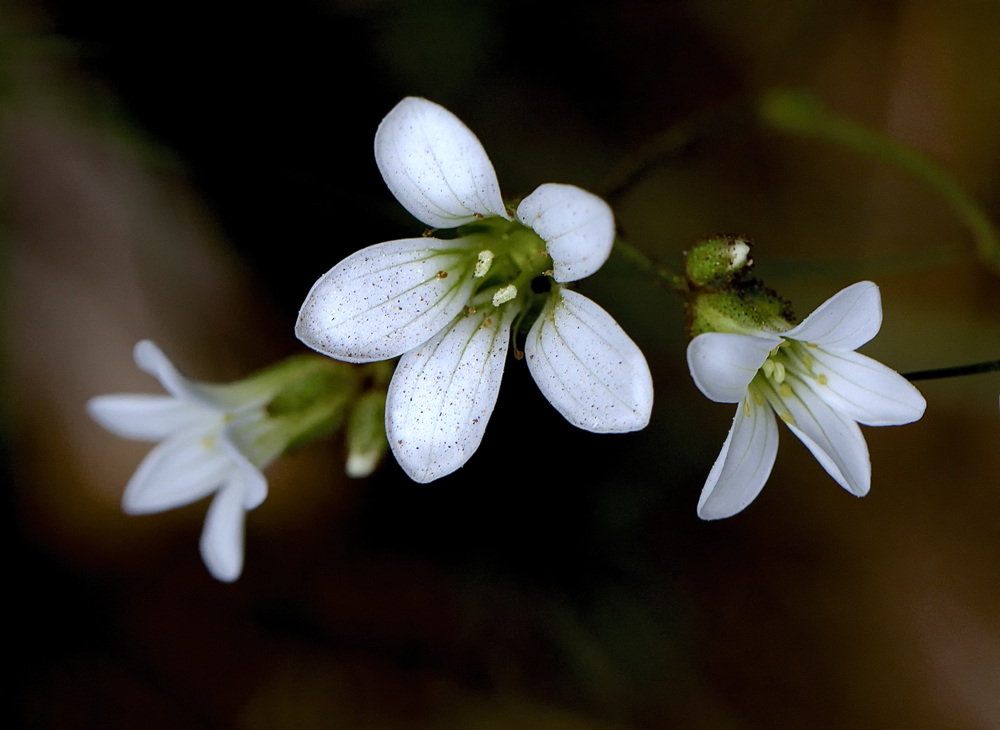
(185,171)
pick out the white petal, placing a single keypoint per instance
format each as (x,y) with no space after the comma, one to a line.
(845,321)
(221,541)
(181,470)
(833,438)
(865,390)
(578,228)
(442,395)
(386,299)
(722,364)
(254,482)
(147,417)
(435,165)
(745,463)
(150,358)
(587,366)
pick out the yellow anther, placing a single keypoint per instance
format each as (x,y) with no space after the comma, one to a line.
(785,391)
(758,398)
(808,362)
(787,418)
(483,264)
(774,351)
(821,378)
(746,407)
(208,442)
(768,368)
(779,373)
(809,344)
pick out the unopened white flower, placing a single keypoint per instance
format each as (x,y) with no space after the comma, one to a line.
(211,441)
(811,376)
(447,305)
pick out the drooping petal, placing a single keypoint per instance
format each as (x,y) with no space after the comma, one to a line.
(386,299)
(745,463)
(144,417)
(587,367)
(435,165)
(254,482)
(442,394)
(845,321)
(832,437)
(864,389)
(722,364)
(181,470)
(221,541)
(151,359)
(578,228)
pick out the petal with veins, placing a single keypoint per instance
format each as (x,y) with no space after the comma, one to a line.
(845,321)
(144,417)
(578,228)
(221,541)
(745,463)
(722,364)
(442,394)
(587,367)
(435,165)
(833,438)
(181,470)
(386,299)
(864,389)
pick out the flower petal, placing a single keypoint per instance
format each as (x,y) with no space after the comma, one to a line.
(386,299)
(745,463)
(864,389)
(578,228)
(435,165)
(587,367)
(181,470)
(221,541)
(833,438)
(722,364)
(254,481)
(147,417)
(845,321)
(442,394)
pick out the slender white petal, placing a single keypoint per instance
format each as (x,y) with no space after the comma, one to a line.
(150,359)
(745,463)
(845,321)
(435,165)
(864,389)
(386,299)
(181,470)
(442,394)
(254,482)
(221,541)
(144,417)
(578,228)
(587,367)
(722,364)
(833,438)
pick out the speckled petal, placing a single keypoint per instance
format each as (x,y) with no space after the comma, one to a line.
(435,165)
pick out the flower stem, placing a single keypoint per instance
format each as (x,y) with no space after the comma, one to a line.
(644,264)
(800,113)
(953,372)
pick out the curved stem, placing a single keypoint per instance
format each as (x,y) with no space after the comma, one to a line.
(952,372)
(644,264)
(800,113)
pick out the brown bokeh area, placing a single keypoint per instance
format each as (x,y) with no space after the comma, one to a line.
(183,172)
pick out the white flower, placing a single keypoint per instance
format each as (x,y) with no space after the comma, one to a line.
(812,378)
(448,305)
(210,442)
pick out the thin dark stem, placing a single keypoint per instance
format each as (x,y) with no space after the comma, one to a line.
(974,369)
(671,143)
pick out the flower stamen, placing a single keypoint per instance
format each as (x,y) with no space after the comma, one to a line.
(483,264)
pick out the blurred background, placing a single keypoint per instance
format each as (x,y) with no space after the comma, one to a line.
(184,171)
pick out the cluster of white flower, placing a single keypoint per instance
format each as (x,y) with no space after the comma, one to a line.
(447,306)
